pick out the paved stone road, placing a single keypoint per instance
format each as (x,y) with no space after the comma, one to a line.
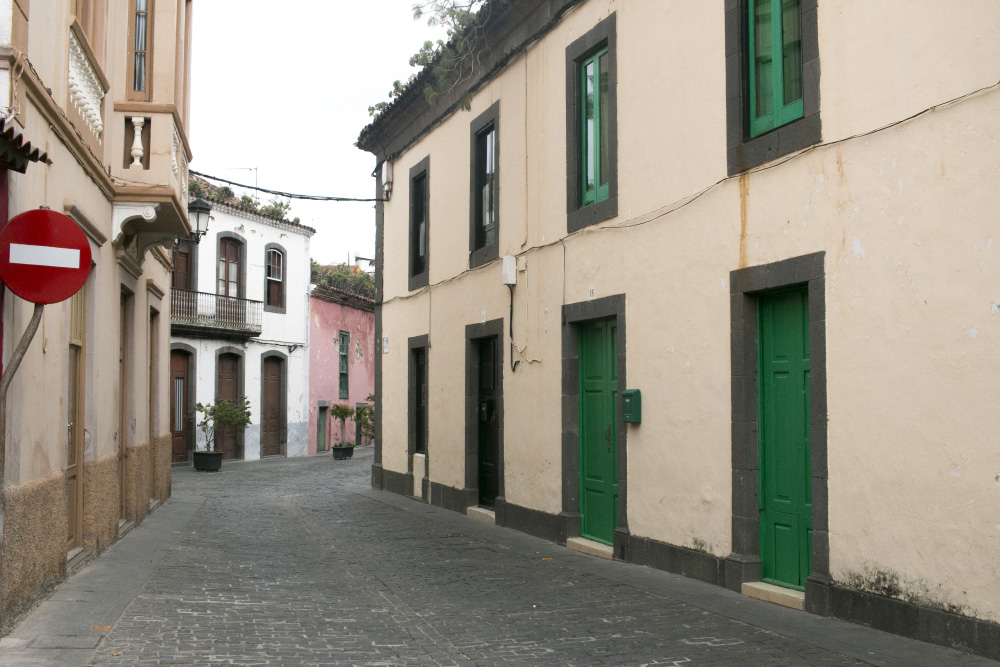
(298,562)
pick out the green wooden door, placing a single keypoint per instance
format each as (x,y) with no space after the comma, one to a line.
(598,430)
(785,469)
(321,430)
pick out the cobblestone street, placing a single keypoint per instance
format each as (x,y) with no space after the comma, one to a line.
(299,562)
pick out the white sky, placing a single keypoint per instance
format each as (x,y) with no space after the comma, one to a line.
(285,87)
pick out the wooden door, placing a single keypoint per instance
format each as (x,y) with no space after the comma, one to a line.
(123,392)
(488,428)
(419,399)
(228,386)
(321,417)
(598,430)
(180,424)
(74,422)
(229,310)
(785,463)
(270,418)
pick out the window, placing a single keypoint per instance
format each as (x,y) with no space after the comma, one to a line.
(592,127)
(139,45)
(274,278)
(775,64)
(772,74)
(345,347)
(419,223)
(229,268)
(485,195)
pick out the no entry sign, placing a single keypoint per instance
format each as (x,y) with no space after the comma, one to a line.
(44,256)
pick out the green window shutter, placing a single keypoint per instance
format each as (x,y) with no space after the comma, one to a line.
(775,65)
(594,139)
(345,343)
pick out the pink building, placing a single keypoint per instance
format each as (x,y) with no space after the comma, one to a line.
(341,362)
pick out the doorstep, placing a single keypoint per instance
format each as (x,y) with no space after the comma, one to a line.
(591,547)
(481,514)
(786,597)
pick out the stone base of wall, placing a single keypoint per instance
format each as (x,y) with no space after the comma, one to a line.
(100,502)
(34,542)
(137,482)
(161,467)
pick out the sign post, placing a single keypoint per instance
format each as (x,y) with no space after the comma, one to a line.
(44,258)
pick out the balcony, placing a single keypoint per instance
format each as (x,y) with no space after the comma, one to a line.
(203,315)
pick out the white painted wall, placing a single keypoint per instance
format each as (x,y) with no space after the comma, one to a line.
(282,332)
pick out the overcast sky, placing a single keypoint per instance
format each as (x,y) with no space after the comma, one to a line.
(285,87)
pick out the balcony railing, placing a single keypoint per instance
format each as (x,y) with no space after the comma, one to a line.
(203,314)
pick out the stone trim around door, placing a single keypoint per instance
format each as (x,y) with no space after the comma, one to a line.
(743,564)
(473,334)
(572,314)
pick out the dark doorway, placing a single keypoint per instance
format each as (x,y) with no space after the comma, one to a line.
(419,399)
(488,417)
(270,418)
(228,386)
(179,395)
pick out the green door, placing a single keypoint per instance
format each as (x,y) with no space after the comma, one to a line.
(598,430)
(321,430)
(785,469)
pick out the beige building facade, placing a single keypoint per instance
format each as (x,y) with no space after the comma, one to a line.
(776,222)
(99,90)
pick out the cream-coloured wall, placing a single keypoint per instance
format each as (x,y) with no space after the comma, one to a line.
(906,217)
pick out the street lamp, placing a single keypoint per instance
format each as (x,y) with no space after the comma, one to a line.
(198,212)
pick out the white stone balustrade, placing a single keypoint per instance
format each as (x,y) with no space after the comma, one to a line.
(85,90)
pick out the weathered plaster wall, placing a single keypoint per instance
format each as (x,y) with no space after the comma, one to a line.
(161,461)
(326,321)
(137,482)
(906,216)
(101,487)
(34,536)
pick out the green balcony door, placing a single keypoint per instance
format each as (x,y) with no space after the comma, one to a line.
(785,466)
(598,430)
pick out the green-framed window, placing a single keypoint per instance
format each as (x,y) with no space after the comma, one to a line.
(594,130)
(345,346)
(775,69)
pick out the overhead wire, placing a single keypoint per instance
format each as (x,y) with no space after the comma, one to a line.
(690,199)
(280,193)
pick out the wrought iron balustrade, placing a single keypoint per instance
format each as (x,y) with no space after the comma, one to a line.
(194,312)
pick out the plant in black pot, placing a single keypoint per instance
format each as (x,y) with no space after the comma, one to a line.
(224,417)
(342,449)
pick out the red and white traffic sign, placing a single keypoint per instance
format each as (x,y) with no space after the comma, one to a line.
(44,256)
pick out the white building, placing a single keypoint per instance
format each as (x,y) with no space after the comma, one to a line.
(239,327)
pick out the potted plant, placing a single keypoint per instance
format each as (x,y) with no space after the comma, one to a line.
(364,418)
(340,412)
(218,419)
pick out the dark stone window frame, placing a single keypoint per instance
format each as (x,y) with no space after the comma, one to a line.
(418,280)
(284,278)
(744,564)
(242,242)
(490,251)
(282,399)
(579,216)
(742,151)
(412,344)
(473,334)
(572,315)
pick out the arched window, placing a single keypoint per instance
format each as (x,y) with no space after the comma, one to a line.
(274,278)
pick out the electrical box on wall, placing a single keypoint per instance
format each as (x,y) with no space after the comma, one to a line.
(509,270)
(632,406)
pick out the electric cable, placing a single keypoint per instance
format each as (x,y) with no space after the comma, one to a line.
(280,193)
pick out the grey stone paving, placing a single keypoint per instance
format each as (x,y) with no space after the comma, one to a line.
(298,562)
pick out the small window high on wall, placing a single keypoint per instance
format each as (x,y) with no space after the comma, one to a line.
(140,41)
